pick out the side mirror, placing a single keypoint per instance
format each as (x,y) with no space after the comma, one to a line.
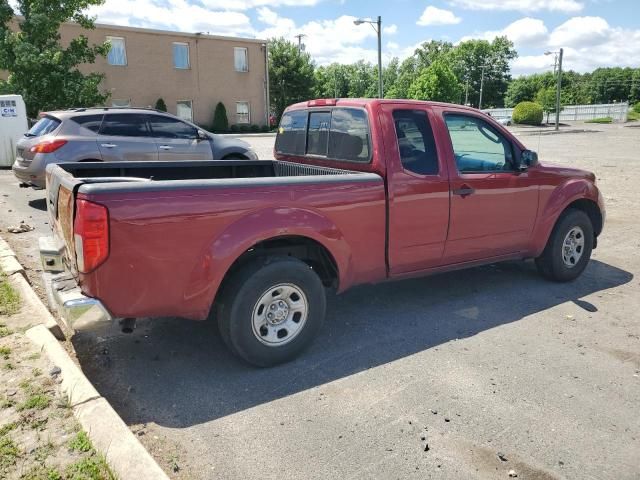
(201,135)
(528,158)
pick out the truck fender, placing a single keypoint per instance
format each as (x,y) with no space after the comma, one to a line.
(562,197)
(218,257)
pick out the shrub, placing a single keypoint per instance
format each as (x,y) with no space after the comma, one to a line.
(636,108)
(220,120)
(244,128)
(234,128)
(527,113)
(160,105)
(264,128)
(254,128)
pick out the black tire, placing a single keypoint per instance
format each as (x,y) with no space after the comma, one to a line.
(551,264)
(235,156)
(241,295)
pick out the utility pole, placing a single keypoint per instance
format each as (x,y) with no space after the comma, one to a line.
(559,88)
(466,92)
(482,67)
(300,36)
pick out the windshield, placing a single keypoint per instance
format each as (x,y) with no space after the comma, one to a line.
(43,126)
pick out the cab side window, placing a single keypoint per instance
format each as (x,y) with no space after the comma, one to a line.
(477,146)
(416,144)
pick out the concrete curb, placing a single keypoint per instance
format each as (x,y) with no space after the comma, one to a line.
(109,434)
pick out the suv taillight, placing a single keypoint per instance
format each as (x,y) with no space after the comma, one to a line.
(48,146)
(91,235)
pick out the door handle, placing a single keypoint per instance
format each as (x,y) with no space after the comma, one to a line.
(464,191)
(108,145)
(165,147)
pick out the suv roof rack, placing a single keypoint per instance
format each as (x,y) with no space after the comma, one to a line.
(84,109)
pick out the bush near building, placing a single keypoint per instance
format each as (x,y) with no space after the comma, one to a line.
(220,120)
(160,105)
(527,113)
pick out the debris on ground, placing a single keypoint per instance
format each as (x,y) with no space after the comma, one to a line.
(512,474)
(22,228)
(502,457)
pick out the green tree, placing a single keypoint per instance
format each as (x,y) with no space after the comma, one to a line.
(220,120)
(546,97)
(160,105)
(471,57)
(44,72)
(436,82)
(407,73)
(291,75)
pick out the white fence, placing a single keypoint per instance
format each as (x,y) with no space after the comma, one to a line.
(576,113)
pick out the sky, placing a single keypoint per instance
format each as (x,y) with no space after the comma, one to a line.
(593,33)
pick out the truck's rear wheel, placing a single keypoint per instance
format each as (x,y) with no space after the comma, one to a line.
(271,309)
(569,247)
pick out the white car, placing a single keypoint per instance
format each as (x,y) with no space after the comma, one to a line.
(505,121)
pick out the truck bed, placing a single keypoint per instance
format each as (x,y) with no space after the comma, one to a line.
(176,227)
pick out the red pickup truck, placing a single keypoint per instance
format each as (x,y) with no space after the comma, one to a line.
(361,191)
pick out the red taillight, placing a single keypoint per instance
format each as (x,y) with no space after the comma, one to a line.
(47,146)
(91,235)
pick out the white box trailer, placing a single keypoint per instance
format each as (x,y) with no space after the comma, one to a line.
(13,124)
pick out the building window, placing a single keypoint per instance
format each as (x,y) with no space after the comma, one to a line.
(242,112)
(241,59)
(181,55)
(117,53)
(184,110)
(121,102)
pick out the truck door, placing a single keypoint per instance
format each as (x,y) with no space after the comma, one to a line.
(493,205)
(418,189)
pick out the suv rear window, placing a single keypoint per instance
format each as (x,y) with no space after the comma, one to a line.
(91,122)
(43,126)
(338,134)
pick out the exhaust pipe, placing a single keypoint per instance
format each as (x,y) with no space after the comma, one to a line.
(127,325)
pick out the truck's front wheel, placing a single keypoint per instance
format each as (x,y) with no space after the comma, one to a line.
(271,309)
(569,247)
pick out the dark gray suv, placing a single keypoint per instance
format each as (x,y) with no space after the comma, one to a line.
(116,135)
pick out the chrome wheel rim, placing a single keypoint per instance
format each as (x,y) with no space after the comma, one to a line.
(573,247)
(280,314)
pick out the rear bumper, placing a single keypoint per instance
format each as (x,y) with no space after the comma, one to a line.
(77,311)
(26,175)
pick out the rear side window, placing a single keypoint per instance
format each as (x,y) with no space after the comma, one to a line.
(125,125)
(292,133)
(43,126)
(318,133)
(349,135)
(91,122)
(166,127)
(337,134)
(416,144)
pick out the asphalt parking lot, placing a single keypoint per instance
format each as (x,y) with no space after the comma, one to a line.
(464,375)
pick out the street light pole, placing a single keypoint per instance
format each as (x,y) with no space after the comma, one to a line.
(466,92)
(558,90)
(377,26)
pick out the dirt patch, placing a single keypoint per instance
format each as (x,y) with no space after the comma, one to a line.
(39,437)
